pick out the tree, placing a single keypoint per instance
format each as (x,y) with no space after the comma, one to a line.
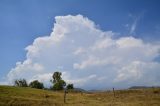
(70,86)
(21,83)
(36,84)
(58,83)
(57,77)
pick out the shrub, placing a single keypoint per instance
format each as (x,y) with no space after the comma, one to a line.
(70,86)
(21,83)
(36,84)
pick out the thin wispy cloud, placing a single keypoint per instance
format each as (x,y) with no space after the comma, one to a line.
(133,26)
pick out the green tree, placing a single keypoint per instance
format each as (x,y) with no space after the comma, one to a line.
(58,83)
(36,84)
(21,83)
(70,86)
(56,77)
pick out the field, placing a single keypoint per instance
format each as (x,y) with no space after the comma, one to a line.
(23,96)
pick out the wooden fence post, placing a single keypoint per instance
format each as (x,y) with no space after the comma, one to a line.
(65,91)
(114,92)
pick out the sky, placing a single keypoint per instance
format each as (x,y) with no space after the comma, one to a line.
(115,43)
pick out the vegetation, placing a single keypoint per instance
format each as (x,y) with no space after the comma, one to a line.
(58,83)
(22,95)
(21,83)
(70,86)
(26,96)
(36,84)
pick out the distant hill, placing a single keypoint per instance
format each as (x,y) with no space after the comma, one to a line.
(79,90)
(143,87)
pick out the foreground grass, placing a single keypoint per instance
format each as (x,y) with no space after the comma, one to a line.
(21,96)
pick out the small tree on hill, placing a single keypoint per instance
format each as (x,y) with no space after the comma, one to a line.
(70,86)
(36,84)
(56,77)
(58,83)
(21,83)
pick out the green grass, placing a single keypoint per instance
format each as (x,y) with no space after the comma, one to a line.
(23,96)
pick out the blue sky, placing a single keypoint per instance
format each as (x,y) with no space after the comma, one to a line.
(22,21)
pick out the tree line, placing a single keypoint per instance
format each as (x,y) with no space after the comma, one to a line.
(57,81)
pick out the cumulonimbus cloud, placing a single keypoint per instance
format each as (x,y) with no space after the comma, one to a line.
(89,57)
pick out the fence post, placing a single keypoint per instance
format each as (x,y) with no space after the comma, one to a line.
(114,92)
(65,95)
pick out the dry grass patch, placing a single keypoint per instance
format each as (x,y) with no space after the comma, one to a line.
(20,96)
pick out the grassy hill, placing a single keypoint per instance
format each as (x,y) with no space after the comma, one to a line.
(20,96)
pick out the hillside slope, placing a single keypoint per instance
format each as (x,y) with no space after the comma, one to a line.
(20,96)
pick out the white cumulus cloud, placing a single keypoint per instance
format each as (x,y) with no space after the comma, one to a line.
(89,57)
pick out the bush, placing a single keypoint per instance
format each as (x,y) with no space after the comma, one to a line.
(70,86)
(59,85)
(21,83)
(36,84)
